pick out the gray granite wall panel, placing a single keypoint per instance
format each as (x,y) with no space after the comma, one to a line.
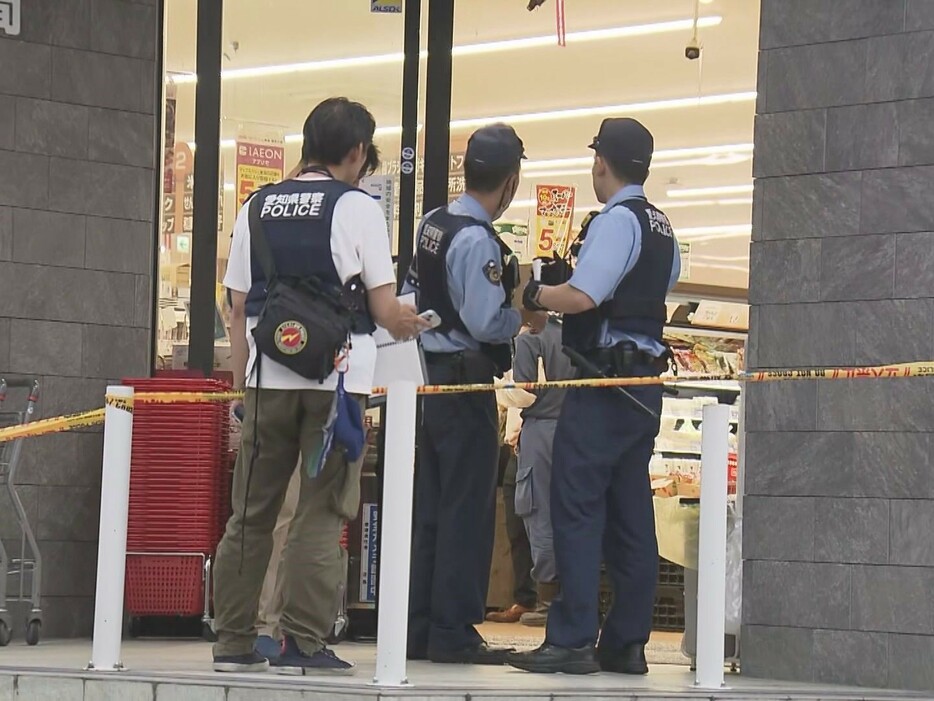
(914,265)
(857,268)
(790,271)
(808,206)
(79,109)
(51,128)
(48,238)
(797,594)
(894,331)
(896,200)
(820,75)
(792,143)
(780,463)
(6,233)
(842,273)
(863,136)
(786,335)
(797,22)
(851,530)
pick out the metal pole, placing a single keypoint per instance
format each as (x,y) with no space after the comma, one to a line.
(396,541)
(711,561)
(111,549)
(409,165)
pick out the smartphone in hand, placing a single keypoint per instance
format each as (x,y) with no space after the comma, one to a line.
(432,317)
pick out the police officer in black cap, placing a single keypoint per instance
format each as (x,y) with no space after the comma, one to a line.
(466,274)
(601,499)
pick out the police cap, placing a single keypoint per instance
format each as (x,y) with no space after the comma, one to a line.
(495,146)
(625,143)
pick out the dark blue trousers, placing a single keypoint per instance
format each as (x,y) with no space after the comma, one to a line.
(601,509)
(455,493)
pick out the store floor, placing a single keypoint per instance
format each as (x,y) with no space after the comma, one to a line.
(176,670)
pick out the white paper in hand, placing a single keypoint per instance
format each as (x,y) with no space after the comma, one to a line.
(398,360)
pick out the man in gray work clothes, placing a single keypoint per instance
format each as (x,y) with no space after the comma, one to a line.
(533,484)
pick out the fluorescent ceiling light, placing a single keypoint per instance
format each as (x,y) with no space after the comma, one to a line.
(604,110)
(711,191)
(659,159)
(705,161)
(683,204)
(701,234)
(462,50)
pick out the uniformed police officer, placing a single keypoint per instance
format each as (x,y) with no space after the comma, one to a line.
(601,500)
(458,271)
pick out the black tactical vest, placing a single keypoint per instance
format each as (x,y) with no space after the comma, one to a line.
(296,216)
(638,305)
(429,275)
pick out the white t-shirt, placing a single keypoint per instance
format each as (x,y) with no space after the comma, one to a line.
(360,246)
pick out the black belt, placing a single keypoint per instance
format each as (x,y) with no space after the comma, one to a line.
(444,359)
(622,358)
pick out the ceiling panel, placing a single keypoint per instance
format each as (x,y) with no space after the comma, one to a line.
(601,75)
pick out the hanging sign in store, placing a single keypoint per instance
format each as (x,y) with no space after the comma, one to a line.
(516,236)
(10,17)
(554,215)
(260,161)
(685,249)
(390,6)
(381,188)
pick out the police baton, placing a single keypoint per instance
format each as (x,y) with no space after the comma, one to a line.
(582,362)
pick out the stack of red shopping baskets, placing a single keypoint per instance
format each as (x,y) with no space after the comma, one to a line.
(179,498)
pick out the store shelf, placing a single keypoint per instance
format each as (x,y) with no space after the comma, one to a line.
(723,386)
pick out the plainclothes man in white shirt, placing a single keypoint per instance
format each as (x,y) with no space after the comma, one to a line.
(319,229)
(269,642)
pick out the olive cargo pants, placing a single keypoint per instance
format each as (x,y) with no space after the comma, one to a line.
(289,423)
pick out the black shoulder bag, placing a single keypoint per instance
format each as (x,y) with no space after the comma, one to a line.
(305,322)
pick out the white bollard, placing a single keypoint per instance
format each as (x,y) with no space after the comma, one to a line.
(711,560)
(396,542)
(111,549)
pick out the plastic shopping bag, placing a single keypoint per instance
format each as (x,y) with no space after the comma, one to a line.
(734,575)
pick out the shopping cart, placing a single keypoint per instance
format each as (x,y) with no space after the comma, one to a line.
(26,570)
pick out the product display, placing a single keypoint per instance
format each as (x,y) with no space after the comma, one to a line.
(675,467)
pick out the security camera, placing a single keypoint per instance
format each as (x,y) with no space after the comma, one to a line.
(692,51)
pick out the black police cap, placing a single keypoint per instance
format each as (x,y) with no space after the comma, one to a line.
(495,146)
(625,143)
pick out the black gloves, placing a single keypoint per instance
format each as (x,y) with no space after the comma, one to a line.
(555,271)
(530,295)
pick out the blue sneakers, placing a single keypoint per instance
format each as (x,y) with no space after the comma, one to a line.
(268,647)
(292,660)
(241,664)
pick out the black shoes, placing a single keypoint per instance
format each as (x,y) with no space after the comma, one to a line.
(476,654)
(550,659)
(629,659)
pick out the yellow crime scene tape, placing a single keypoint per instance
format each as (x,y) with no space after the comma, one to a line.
(90,418)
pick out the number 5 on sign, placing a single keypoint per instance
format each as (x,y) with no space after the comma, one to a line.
(546,243)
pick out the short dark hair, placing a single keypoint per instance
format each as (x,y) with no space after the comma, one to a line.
(334,128)
(630,172)
(483,178)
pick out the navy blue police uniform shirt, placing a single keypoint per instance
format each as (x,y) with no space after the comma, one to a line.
(474,286)
(610,251)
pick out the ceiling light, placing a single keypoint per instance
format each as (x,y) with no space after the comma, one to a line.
(462,50)
(708,191)
(681,204)
(715,155)
(701,234)
(603,110)
(676,103)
